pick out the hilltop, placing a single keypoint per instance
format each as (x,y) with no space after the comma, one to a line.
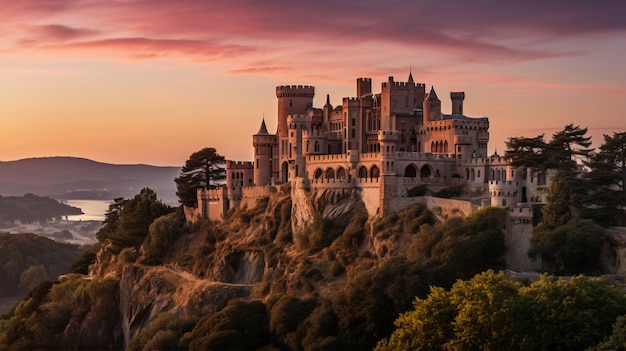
(80,178)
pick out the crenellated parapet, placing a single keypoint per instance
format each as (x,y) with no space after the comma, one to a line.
(307,91)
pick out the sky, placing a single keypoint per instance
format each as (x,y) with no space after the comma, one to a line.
(152,81)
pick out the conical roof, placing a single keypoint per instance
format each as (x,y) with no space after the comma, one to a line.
(432,96)
(263,129)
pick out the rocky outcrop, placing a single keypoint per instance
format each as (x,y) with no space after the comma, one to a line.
(146,291)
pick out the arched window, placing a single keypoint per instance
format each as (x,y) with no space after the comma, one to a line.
(473,174)
(362,172)
(467,173)
(425,172)
(318,173)
(410,171)
(374,172)
(341,173)
(330,173)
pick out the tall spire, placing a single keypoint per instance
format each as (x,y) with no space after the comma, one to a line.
(327,99)
(263,129)
(410,75)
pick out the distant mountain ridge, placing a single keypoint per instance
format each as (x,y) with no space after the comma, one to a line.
(64,177)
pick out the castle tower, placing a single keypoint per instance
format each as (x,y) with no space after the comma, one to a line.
(517,238)
(297,125)
(263,143)
(457,102)
(363,87)
(292,100)
(388,183)
(504,193)
(432,107)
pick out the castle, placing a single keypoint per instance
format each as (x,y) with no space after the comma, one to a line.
(382,144)
(386,143)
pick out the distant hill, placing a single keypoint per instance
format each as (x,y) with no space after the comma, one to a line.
(80,178)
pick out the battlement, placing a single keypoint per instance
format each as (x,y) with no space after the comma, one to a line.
(213,194)
(307,91)
(352,102)
(331,157)
(239,164)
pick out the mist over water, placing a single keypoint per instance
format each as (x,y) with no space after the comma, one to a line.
(93,210)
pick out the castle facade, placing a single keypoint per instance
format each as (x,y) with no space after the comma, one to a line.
(382,143)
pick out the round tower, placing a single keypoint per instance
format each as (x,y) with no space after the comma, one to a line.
(504,193)
(432,106)
(292,100)
(263,142)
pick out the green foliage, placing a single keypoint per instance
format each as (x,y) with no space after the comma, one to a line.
(20,252)
(285,316)
(162,333)
(617,340)
(454,190)
(574,247)
(607,180)
(204,168)
(419,190)
(134,219)
(492,312)
(32,208)
(239,326)
(87,258)
(32,276)
(163,232)
(374,298)
(111,220)
(75,314)
(407,221)
(463,246)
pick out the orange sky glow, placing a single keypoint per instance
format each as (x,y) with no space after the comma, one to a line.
(152,81)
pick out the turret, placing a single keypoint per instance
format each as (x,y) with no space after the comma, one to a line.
(432,107)
(263,143)
(457,102)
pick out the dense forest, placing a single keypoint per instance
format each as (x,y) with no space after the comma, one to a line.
(28,259)
(342,281)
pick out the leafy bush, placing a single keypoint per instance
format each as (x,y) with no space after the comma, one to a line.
(450,191)
(419,190)
(571,248)
(492,312)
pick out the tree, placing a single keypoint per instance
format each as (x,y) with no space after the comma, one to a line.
(571,248)
(135,218)
(493,312)
(111,219)
(204,168)
(607,179)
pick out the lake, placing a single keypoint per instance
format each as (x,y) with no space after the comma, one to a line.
(93,210)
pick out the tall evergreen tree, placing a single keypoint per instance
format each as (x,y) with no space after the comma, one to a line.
(607,179)
(204,168)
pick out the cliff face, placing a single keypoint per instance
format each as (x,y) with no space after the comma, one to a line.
(257,252)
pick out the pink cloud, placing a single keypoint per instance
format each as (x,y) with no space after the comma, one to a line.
(320,33)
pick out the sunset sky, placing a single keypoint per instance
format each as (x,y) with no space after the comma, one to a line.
(152,81)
